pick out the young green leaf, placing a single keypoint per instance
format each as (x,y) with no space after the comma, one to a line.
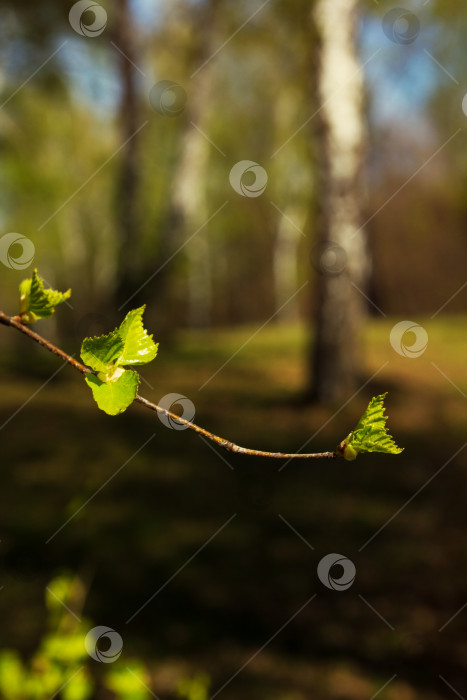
(370,434)
(114,388)
(139,347)
(114,396)
(102,353)
(37,302)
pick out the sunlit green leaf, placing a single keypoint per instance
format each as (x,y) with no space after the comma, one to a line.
(58,591)
(37,302)
(102,353)
(139,347)
(370,434)
(80,687)
(114,397)
(64,647)
(12,674)
(129,682)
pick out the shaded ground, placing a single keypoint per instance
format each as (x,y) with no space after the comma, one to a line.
(401,520)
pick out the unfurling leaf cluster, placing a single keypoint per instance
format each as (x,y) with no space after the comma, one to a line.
(114,387)
(370,434)
(37,302)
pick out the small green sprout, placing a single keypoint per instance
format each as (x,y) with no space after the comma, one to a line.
(370,434)
(37,302)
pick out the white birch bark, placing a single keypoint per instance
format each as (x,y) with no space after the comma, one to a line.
(190,202)
(340,308)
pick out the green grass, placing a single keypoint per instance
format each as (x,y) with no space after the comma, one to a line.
(131,537)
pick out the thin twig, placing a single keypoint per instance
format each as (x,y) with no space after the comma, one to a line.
(15,322)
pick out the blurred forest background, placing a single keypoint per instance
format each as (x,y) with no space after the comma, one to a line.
(115,155)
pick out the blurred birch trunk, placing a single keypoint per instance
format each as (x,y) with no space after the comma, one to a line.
(128,221)
(189,204)
(188,208)
(341,258)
